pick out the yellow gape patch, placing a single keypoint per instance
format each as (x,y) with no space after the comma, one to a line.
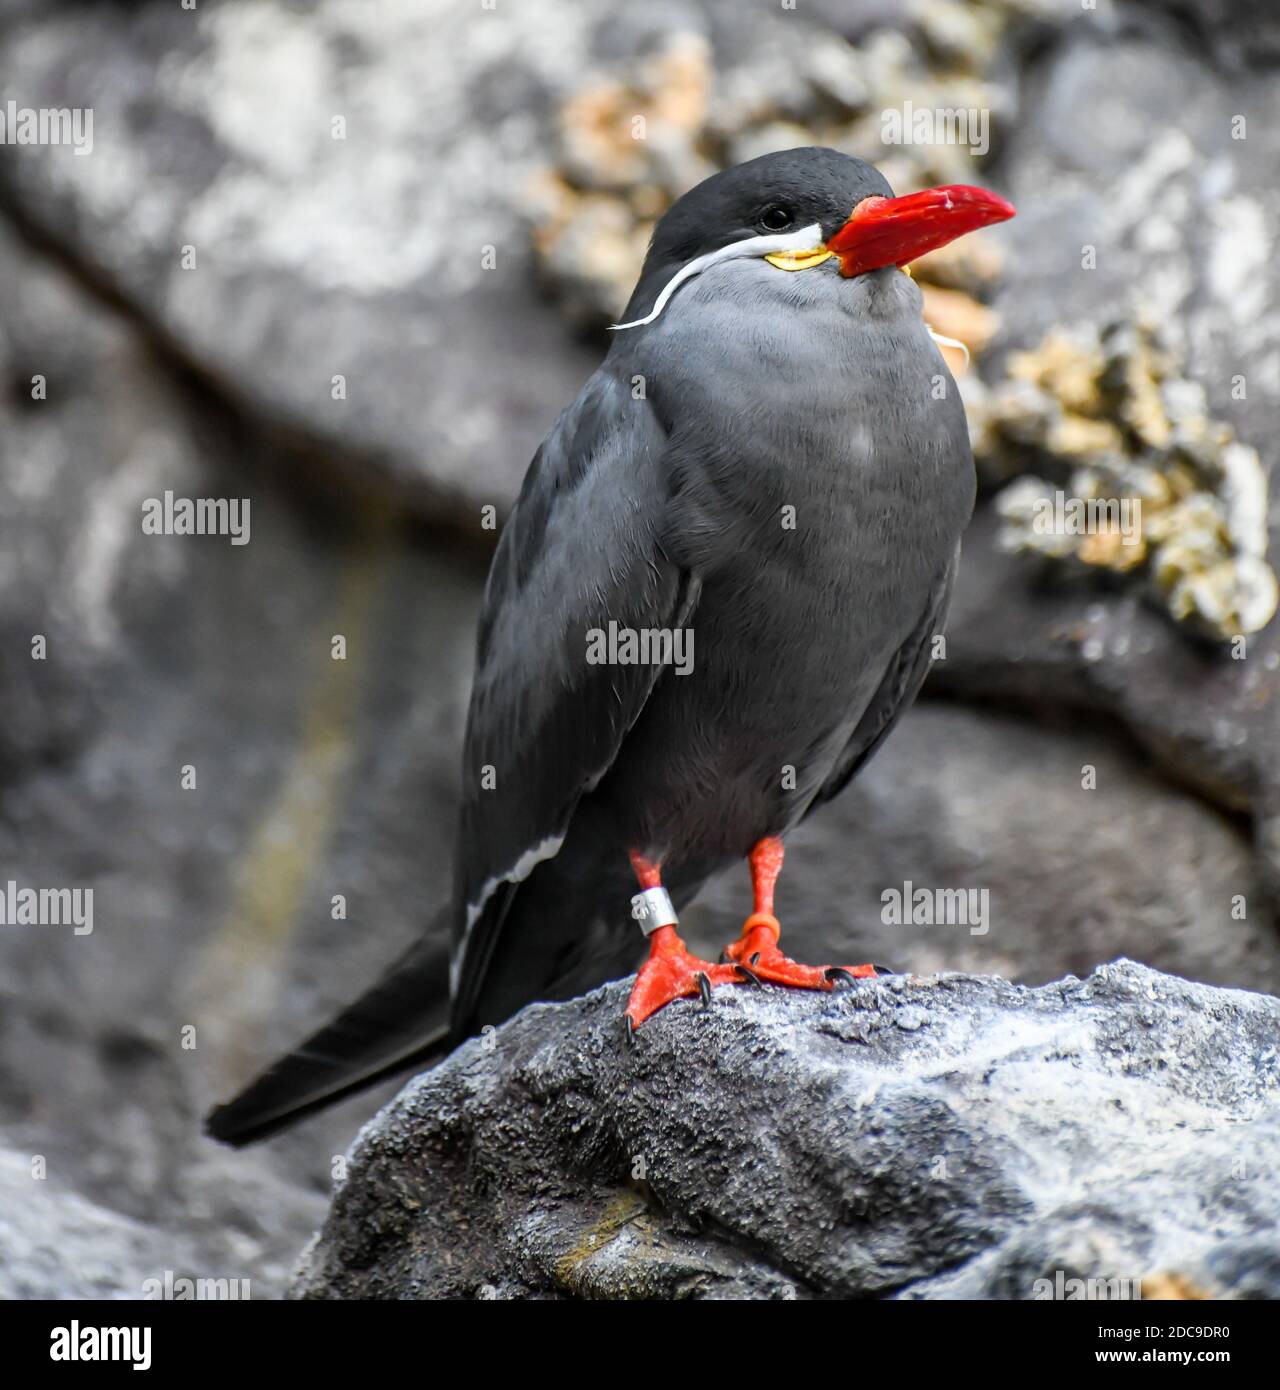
(799,260)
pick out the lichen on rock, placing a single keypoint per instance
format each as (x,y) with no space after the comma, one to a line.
(1110,429)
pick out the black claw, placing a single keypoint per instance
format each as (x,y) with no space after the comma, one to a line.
(704,988)
(631,1030)
(882,969)
(725,957)
(837,972)
(749,975)
(755,956)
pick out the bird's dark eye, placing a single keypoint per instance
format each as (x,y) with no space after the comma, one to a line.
(776,218)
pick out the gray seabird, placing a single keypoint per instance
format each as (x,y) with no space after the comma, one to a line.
(714,597)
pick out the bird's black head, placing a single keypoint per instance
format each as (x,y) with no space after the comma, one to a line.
(798,209)
(776,193)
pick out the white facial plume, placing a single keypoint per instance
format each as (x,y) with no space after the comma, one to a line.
(805,239)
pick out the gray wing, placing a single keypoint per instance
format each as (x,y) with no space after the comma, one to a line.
(582,547)
(897,690)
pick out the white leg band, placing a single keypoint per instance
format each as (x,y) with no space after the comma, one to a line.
(652,909)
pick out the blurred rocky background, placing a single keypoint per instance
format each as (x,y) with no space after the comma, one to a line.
(442,205)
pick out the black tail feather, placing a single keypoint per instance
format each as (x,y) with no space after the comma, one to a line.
(402,1022)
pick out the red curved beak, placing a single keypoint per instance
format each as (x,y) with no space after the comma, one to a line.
(896,231)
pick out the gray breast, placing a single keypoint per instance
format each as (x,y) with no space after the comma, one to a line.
(822,486)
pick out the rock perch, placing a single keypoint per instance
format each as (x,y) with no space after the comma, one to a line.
(953,1136)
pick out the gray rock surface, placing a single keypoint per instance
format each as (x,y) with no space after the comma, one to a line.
(399,255)
(212,906)
(912,1137)
(1131,144)
(317,256)
(1208,720)
(54,1244)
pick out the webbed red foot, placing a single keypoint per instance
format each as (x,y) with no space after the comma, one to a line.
(755,954)
(671,973)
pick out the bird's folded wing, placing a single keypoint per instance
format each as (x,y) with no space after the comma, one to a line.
(898,688)
(582,549)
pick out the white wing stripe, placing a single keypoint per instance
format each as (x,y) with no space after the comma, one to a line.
(519,871)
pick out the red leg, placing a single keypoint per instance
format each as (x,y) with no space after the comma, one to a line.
(670,972)
(756,953)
